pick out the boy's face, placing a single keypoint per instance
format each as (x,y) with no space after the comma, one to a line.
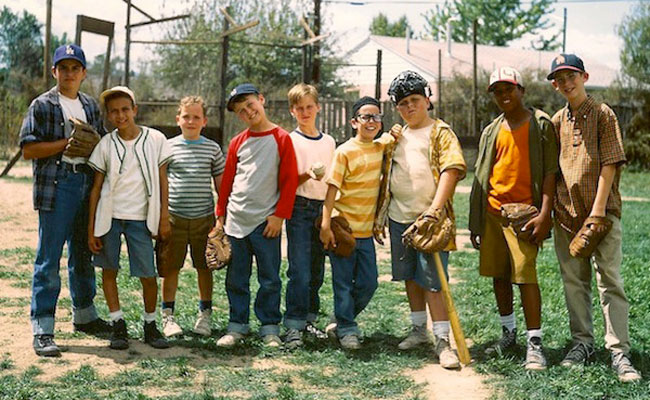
(121,112)
(191,120)
(69,74)
(508,96)
(413,108)
(305,111)
(251,110)
(571,84)
(365,124)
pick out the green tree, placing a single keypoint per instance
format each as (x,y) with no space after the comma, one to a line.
(635,32)
(500,21)
(21,43)
(382,27)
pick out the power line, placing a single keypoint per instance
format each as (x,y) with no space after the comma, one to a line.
(371,2)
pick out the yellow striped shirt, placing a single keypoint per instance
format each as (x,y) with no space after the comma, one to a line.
(355,172)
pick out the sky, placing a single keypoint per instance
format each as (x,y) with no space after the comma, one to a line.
(591,28)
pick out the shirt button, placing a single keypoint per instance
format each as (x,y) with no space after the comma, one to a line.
(62,123)
(55,182)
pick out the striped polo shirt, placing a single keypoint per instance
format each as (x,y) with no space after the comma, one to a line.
(355,172)
(193,165)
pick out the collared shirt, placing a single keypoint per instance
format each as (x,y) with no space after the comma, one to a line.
(44,122)
(589,139)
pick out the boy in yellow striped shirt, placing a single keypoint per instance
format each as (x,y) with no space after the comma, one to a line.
(354,176)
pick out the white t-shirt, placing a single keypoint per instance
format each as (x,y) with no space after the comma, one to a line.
(130,197)
(310,150)
(72,108)
(412,184)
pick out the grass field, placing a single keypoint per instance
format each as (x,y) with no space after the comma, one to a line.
(321,370)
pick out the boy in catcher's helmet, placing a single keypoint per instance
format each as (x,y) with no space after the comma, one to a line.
(427,162)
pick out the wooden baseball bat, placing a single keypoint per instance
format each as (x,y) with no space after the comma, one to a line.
(459,337)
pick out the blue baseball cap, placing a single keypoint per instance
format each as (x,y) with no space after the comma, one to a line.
(69,52)
(240,90)
(565,61)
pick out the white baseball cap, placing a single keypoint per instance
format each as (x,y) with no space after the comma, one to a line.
(505,74)
(113,90)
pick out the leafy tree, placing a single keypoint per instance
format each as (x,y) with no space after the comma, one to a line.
(635,32)
(500,21)
(21,43)
(382,27)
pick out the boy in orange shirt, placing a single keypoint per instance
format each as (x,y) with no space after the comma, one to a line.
(517,164)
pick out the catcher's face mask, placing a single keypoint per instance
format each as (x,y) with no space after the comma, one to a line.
(408,83)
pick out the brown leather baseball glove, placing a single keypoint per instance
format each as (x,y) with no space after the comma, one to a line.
(83,140)
(345,242)
(518,215)
(218,251)
(593,230)
(430,233)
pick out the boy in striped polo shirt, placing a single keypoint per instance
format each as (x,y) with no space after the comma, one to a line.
(196,162)
(354,174)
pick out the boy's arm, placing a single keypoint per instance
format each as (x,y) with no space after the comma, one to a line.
(446,188)
(164,227)
(541,224)
(605,180)
(94,243)
(326,234)
(217,182)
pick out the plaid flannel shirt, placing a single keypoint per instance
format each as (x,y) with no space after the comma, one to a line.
(44,123)
(589,138)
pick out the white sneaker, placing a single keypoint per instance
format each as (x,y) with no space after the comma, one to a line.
(203,322)
(230,339)
(169,324)
(272,340)
(446,355)
(330,329)
(350,342)
(417,337)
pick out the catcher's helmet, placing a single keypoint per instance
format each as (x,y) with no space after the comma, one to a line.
(408,83)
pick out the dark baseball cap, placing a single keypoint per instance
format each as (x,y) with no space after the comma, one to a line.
(240,90)
(69,52)
(365,100)
(565,61)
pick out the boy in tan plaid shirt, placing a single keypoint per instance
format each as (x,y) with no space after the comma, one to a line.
(591,158)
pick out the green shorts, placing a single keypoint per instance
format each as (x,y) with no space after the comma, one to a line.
(193,232)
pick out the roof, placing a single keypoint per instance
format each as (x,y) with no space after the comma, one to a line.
(422,57)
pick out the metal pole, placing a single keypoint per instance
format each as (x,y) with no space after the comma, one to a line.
(378,77)
(564,33)
(315,72)
(305,65)
(475,84)
(47,48)
(221,110)
(440,83)
(127,51)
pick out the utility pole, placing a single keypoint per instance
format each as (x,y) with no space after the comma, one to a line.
(474,126)
(378,77)
(128,43)
(46,49)
(564,33)
(315,72)
(221,110)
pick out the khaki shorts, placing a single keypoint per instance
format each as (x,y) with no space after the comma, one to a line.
(504,256)
(193,232)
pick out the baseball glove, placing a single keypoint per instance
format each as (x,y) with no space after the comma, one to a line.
(430,233)
(345,242)
(163,256)
(83,140)
(218,251)
(593,230)
(518,215)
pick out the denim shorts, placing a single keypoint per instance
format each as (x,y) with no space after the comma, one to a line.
(409,264)
(138,243)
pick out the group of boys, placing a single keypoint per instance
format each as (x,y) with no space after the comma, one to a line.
(138,184)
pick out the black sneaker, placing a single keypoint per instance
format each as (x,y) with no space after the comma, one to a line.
(119,337)
(96,327)
(507,342)
(579,354)
(153,337)
(44,346)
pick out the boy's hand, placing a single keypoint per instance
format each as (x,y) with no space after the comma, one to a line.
(476,240)
(94,243)
(379,234)
(164,230)
(317,171)
(219,223)
(327,238)
(273,226)
(396,131)
(539,227)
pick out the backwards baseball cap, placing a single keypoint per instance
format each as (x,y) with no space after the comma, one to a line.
(116,89)
(238,91)
(365,100)
(505,74)
(565,61)
(69,52)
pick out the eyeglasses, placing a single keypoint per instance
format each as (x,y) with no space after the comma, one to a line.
(566,77)
(365,118)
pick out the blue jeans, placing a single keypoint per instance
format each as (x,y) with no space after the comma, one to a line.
(354,280)
(66,224)
(306,264)
(267,301)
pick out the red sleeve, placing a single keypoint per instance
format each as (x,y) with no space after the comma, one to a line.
(229,173)
(287,174)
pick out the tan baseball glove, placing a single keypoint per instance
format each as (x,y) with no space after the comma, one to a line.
(593,230)
(218,251)
(345,242)
(518,215)
(430,233)
(83,140)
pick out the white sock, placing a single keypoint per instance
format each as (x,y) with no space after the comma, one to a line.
(534,333)
(441,329)
(116,315)
(418,318)
(148,317)
(509,321)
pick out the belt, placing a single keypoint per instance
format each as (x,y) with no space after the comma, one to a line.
(76,168)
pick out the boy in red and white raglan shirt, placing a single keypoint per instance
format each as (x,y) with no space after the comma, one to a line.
(257,193)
